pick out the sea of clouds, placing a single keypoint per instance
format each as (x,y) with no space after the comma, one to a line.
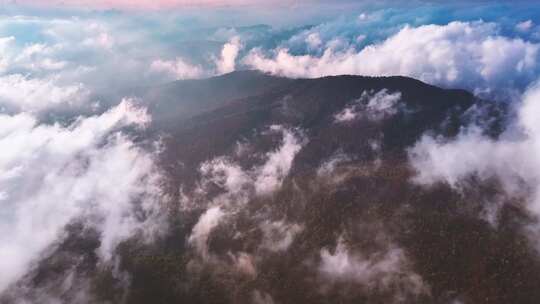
(65,113)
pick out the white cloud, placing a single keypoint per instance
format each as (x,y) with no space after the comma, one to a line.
(33,58)
(5,56)
(38,57)
(98,52)
(178,69)
(513,158)
(201,231)
(102,40)
(460,54)
(279,235)
(384,270)
(222,172)
(313,41)
(363,17)
(262,179)
(227,61)
(525,26)
(238,186)
(148,4)
(373,106)
(33,94)
(347,114)
(328,167)
(181,69)
(271,175)
(51,175)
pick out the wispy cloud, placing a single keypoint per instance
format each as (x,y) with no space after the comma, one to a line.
(88,171)
(239,186)
(512,158)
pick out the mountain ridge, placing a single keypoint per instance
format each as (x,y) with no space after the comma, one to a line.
(299,174)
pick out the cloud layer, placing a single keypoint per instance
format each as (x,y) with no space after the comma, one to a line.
(89,169)
(52,175)
(512,159)
(460,54)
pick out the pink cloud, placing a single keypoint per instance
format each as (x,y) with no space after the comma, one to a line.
(145,4)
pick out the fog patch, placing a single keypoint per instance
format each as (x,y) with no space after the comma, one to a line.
(225,188)
(370,105)
(387,270)
(279,235)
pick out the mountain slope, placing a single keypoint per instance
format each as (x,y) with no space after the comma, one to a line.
(301,191)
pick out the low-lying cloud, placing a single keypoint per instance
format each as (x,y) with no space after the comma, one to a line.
(89,170)
(373,106)
(238,186)
(512,158)
(177,69)
(388,269)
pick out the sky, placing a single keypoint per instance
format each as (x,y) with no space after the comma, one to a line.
(86,57)
(133,43)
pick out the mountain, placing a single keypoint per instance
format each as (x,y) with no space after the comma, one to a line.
(310,104)
(301,191)
(183,99)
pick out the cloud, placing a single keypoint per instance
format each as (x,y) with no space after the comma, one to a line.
(263,179)
(37,57)
(373,106)
(5,43)
(328,167)
(181,69)
(145,4)
(33,94)
(102,40)
(313,41)
(238,186)
(460,54)
(270,176)
(259,297)
(338,34)
(245,264)
(99,52)
(279,235)
(89,171)
(386,270)
(177,69)
(201,231)
(512,158)
(227,62)
(525,26)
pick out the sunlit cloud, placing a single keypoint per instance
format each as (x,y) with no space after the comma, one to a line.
(147,4)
